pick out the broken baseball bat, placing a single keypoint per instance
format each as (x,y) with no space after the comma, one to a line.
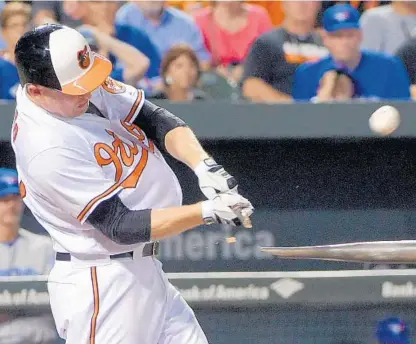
(388,252)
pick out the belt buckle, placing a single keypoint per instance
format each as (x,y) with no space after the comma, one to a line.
(155,248)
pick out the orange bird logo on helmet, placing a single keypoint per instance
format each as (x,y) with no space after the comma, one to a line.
(84,59)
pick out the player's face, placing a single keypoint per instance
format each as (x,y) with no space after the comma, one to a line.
(59,103)
(66,105)
(10,210)
(344,45)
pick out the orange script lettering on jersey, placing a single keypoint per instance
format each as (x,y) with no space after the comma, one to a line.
(138,133)
(119,154)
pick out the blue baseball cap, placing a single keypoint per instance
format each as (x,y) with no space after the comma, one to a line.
(9,183)
(340,17)
(393,331)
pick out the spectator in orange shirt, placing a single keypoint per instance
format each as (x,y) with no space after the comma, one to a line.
(229,29)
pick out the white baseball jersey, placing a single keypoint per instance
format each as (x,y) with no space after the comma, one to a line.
(67,166)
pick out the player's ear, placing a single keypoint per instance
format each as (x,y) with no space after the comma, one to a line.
(33,90)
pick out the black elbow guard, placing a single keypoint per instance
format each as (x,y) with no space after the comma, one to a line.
(120,224)
(157,122)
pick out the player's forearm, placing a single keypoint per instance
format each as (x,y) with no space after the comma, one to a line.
(173,221)
(126,227)
(183,145)
(260,91)
(170,134)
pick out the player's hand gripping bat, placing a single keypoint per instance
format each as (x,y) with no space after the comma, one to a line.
(246,219)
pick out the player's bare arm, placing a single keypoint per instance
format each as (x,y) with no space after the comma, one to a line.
(183,145)
(173,221)
(172,135)
(125,226)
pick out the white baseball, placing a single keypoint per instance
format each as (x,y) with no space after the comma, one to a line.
(384,120)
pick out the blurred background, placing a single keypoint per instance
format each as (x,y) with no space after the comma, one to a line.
(280,92)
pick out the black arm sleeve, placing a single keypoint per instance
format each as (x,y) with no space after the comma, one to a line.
(157,122)
(120,224)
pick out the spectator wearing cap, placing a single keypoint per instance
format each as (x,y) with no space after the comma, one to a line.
(378,75)
(98,17)
(229,29)
(393,330)
(22,253)
(15,20)
(385,28)
(167,26)
(271,64)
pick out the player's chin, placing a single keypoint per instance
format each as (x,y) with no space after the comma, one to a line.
(80,109)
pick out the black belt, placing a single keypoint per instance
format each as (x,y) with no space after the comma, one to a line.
(150,249)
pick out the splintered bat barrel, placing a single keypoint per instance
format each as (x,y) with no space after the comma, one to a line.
(388,252)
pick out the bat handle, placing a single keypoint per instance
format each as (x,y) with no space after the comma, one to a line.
(246,219)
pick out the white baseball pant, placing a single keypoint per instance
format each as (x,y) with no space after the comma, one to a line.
(123,301)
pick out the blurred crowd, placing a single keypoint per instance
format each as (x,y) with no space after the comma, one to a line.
(260,51)
(184,51)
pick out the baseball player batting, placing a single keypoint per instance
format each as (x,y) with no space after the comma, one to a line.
(90,158)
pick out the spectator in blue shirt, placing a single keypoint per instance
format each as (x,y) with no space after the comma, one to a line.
(167,26)
(377,75)
(14,20)
(101,15)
